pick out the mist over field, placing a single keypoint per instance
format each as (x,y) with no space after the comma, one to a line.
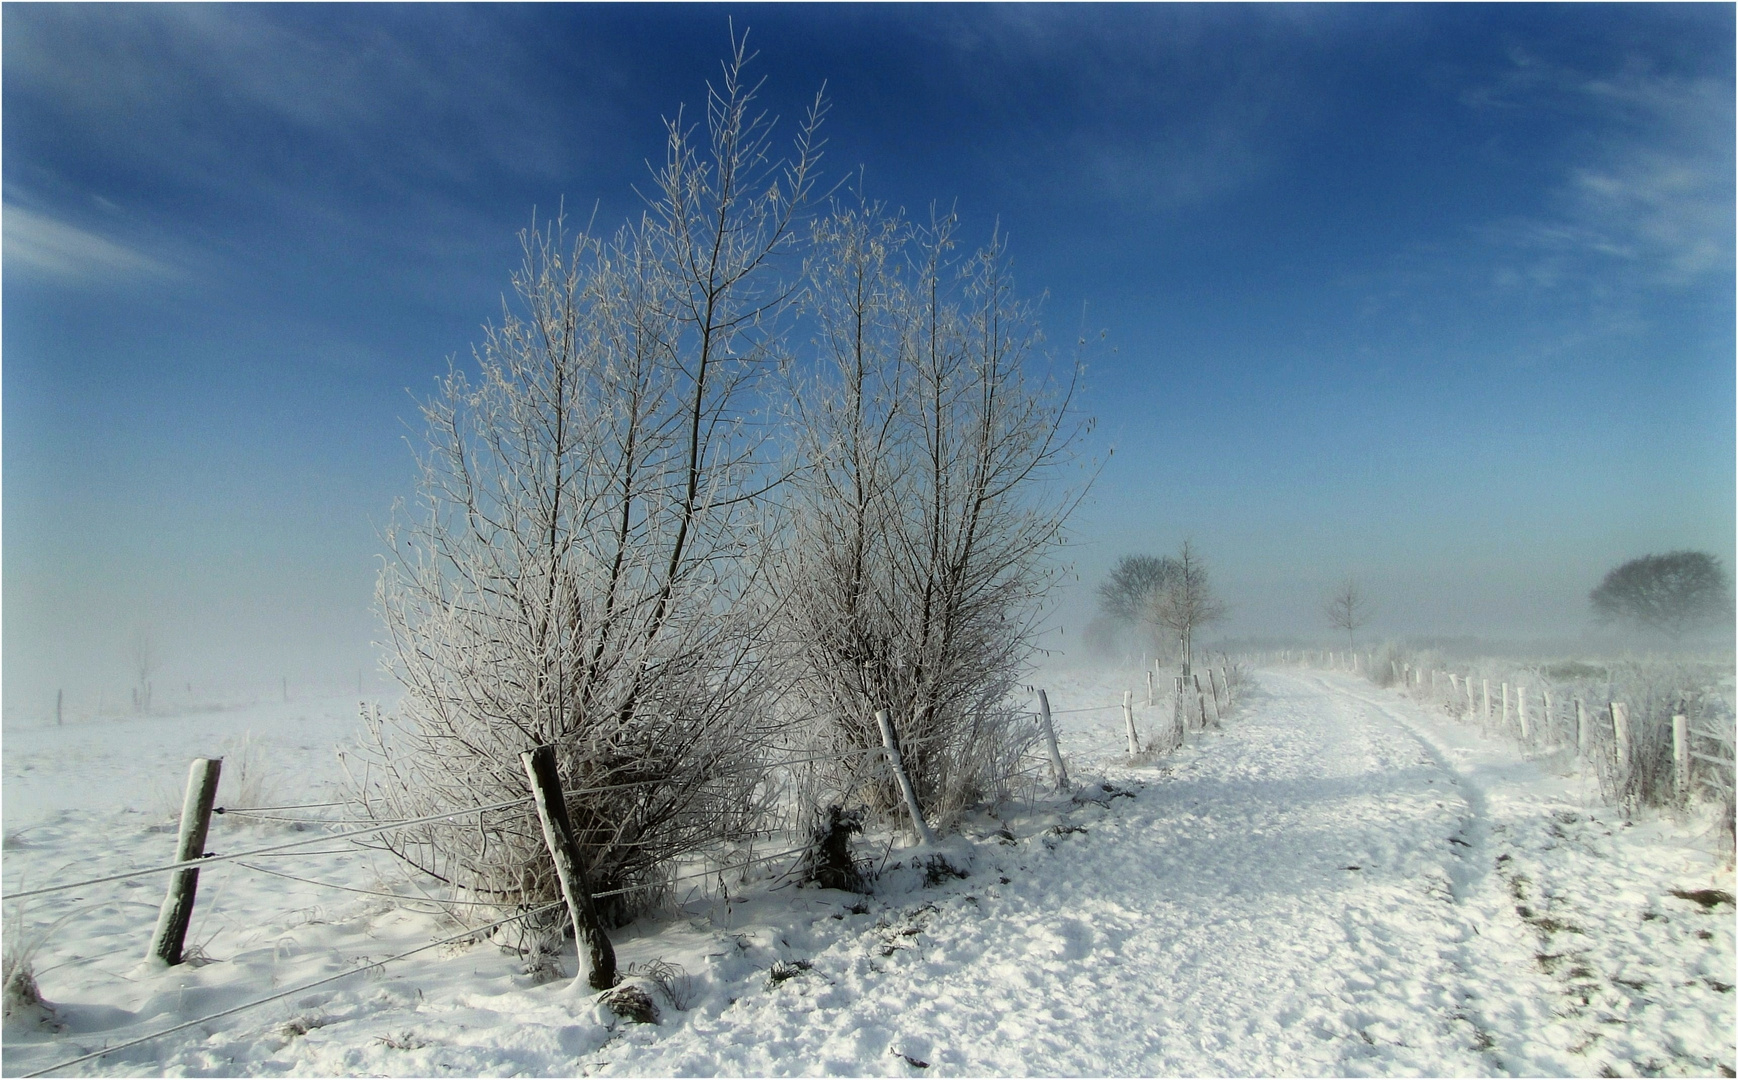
(877,540)
(1435,298)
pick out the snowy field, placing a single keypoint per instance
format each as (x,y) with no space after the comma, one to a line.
(1337,884)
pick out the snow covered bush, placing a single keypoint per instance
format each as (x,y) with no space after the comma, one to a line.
(934,485)
(582,564)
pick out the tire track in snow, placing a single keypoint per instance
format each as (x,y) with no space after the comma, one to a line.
(1276,901)
(1587,958)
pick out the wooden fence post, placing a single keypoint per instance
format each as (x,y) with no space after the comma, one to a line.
(1058,771)
(176,913)
(1505,727)
(1128,718)
(891,745)
(1681,756)
(1486,721)
(1521,699)
(1149,689)
(1201,701)
(597,957)
(1581,732)
(1620,732)
(1225,677)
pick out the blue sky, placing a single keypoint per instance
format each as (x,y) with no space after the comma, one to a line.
(1436,296)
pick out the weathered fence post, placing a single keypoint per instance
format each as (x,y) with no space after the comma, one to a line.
(1225,677)
(1581,731)
(177,910)
(1058,771)
(1546,725)
(1149,689)
(1521,699)
(1128,718)
(1180,711)
(891,745)
(1485,722)
(597,957)
(1505,727)
(1681,756)
(1620,732)
(1201,701)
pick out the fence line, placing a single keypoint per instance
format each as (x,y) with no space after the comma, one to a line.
(1601,733)
(193,864)
(472,932)
(290,992)
(376,828)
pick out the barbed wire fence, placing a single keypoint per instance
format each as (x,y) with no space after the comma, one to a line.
(197,815)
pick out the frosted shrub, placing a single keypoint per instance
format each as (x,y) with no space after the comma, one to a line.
(582,565)
(930,498)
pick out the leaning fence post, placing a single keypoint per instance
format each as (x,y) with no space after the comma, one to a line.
(593,945)
(1128,717)
(1225,677)
(1521,699)
(1058,771)
(1200,701)
(891,745)
(177,910)
(1681,756)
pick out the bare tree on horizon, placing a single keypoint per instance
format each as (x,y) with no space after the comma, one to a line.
(1348,609)
(1187,603)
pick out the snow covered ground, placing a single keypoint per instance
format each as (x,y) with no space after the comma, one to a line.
(1338,883)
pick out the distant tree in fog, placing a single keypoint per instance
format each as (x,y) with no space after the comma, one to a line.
(1134,583)
(1186,602)
(1348,609)
(1672,593)
(145,657)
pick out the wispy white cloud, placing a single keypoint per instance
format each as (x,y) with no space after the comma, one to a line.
(1646,195)
(34,244)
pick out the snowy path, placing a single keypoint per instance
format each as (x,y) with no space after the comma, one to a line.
(1338,884)
(1320,891)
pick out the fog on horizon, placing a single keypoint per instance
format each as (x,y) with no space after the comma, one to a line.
(1440,298)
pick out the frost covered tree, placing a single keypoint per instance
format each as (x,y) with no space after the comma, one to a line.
(581,566)
(1127,595)
(1186,602)
(1672,593)
(1348,609)
(936,452)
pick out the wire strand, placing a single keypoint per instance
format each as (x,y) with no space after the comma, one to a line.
(194,864)
(290,992)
